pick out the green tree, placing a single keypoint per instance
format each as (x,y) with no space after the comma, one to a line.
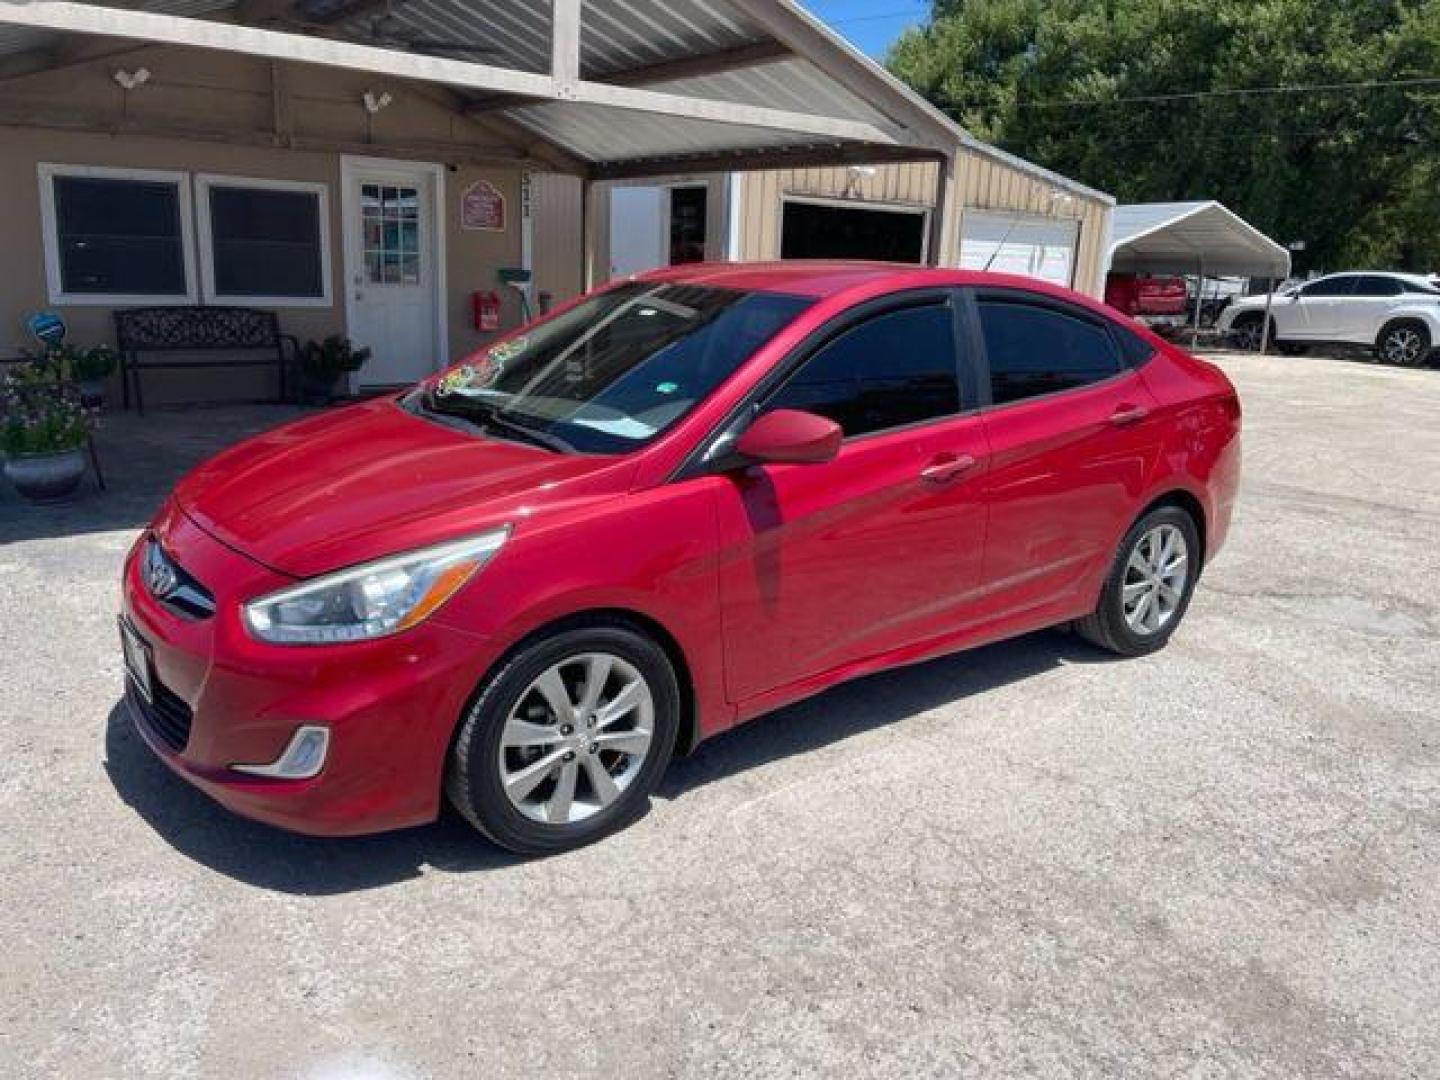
(1351,172)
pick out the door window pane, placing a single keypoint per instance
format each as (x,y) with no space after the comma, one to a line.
(895,369)
(1375,285)
(1037,350)
(1336,286)
(390,228)
(266,242)
(119,236)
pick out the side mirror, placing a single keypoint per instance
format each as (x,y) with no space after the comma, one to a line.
(789,436)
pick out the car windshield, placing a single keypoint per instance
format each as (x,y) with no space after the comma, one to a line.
(616,370)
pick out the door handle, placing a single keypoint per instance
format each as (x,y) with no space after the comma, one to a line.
(947,467)
(1126,415)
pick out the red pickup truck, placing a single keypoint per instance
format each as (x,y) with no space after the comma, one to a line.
(1151,300)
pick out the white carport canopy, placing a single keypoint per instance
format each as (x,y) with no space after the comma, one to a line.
(598,88)
(1192,238)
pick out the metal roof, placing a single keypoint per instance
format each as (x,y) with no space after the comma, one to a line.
(1191,237)
(650,86)
(18,39)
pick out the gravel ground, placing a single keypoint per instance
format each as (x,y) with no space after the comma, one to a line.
(1026,860)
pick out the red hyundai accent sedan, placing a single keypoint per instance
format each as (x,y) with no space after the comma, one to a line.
(674,505)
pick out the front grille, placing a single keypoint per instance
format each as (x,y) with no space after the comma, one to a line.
(172,585)
(167,716)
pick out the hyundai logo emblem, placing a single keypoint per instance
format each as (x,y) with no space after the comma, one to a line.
(159,574)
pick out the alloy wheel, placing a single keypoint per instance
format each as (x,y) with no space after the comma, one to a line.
(576,738)
(1154,583)
(1246,336)
(1403,346)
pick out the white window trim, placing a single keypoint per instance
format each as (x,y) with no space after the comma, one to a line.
(51,236)
(204,182)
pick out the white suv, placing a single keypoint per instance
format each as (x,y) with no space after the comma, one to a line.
(1397,314)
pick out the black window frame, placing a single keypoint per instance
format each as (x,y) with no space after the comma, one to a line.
(711,452)
(1130,358)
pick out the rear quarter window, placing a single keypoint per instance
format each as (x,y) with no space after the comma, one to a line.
(1036,349)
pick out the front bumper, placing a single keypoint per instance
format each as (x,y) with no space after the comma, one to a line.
(390,705)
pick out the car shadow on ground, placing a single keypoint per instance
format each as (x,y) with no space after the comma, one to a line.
(269,858)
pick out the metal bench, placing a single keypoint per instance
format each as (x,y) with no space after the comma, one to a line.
(141,333)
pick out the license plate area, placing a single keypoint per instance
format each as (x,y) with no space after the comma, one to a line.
(138,662)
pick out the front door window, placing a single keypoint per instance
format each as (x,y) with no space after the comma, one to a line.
(390,217)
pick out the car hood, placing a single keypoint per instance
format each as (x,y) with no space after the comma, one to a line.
(373,479)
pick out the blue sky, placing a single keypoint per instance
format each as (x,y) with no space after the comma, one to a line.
(870,24)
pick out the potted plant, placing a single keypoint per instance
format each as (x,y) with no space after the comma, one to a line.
(43,431)
(87,368)
(323,363)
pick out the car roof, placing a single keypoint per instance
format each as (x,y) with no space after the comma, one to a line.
(1409,279)
(825,278)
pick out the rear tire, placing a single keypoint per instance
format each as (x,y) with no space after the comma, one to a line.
(1245,331)
(1405,344)
(1148,589)
(566,739)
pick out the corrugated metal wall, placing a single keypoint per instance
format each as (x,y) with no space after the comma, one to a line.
(555,212)
(982,182)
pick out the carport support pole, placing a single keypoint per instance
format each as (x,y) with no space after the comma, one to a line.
(1265,326)
(1199,302)
(587,236)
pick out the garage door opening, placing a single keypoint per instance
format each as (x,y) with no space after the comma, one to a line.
(813,230)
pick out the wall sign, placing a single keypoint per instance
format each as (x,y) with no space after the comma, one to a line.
(482,207)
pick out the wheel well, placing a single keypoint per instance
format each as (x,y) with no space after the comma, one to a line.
(1393,323)
(1248,317)
(1183,500)
(685,738)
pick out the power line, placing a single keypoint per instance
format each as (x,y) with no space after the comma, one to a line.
(913,13)
(1194,95)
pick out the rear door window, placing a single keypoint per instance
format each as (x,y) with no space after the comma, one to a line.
(1037,349)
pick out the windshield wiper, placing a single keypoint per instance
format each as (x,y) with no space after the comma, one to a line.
(487,417)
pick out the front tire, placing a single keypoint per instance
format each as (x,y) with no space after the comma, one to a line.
(1245,332)
(1148,589)
(566,739)
(1405,344)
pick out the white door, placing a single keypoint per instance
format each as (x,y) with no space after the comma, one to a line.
(1319,310)
(1026,244)
(392,270)
(638,220)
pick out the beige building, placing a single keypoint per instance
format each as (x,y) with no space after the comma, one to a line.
(351,168)
(1013,216)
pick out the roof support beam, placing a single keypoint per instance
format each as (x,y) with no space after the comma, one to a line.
(565,43)
(82,18)
(754,160)
(689,67)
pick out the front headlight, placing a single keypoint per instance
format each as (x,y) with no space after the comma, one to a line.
(371,600)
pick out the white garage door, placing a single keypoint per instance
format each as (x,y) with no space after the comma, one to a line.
(1038,247)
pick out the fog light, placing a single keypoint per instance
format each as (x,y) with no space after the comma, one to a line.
(301,759)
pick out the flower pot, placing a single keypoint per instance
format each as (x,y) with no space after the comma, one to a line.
(92,393)
(46,478)
(318,389)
